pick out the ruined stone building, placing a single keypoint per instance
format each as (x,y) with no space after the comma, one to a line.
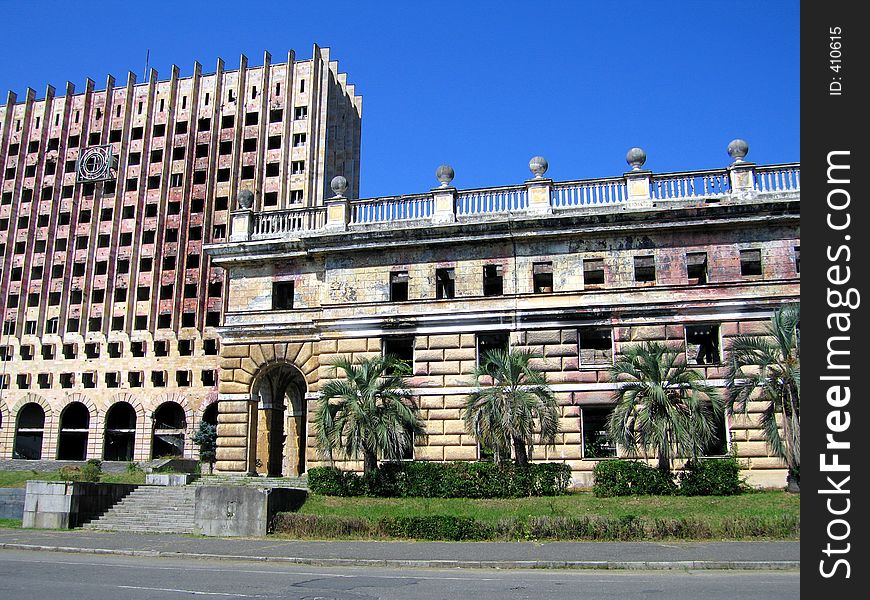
(571,270)
(194,249)
(109,345)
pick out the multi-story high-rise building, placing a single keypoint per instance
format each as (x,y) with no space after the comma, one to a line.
(109,307)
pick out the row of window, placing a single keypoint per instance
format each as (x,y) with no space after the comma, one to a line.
(138,349)
(542,276)
(276,115)
(594,345)
(74,426)
(112,379)
(98,295)
(140,323)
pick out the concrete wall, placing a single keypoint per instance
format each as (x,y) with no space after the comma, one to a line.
(235,511)
(67,504)
(11,503)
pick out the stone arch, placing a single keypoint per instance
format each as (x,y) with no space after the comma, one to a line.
(278,419)
(75,418)
(32,419)
(123,436)
(171,422)
(239,410)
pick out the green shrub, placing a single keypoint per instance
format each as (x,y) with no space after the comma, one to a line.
(206,438)
(630,478)
(91,471)
(711,477)
(435,527)
(444,480)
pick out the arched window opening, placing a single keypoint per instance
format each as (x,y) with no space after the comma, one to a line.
(72,442)
(29,431)
(170,425)
(120,435)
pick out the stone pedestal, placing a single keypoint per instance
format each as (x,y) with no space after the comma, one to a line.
(444,205)
(241,225)
(539,190)
(637,186)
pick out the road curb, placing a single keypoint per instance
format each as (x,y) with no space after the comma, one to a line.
(716,565)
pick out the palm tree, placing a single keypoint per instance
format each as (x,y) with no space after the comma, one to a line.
(767,368)
(662,405)
(517,402)
(368,412)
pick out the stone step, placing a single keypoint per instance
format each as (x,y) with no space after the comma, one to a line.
(151,508)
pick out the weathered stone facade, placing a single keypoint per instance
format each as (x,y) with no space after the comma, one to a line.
(106,297)
(573,271)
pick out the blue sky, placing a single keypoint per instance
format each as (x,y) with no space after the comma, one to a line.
(483,86)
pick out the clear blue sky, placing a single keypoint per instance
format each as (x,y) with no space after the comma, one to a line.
(483,86)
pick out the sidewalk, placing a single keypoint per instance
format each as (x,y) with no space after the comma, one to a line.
(499,555)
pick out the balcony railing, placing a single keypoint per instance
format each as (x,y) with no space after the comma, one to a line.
(698,186)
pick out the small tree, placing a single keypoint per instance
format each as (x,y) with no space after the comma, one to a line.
(662,406)
(768,368)
(368,412)
(206,438)
(514,404)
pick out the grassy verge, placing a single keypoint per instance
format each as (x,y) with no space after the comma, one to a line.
(757,515)
(10,523)
(18,479)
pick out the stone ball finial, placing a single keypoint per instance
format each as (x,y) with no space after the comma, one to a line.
(538,165)
(738,149)
(635,157)
(445,175)
(245,199)
(339,186)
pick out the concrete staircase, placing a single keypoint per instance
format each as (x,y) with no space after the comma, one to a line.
(299,483)
(151,508)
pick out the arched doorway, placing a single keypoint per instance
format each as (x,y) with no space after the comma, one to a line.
(278,416)
(29,430)
(120,435)
(72,441)
(210,414)
(169,428)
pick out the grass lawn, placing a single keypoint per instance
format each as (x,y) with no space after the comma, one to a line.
(10,523)
(18,479)
(709,508)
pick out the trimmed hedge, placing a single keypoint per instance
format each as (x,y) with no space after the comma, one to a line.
(630,478)
(444,480)
(446,527)
(700,477)
(711,477)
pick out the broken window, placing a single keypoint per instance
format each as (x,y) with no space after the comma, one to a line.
(270,199)
(251,118)
(593,272)
(445,283)
(750,262)
(297,167)
(114,349)
(595,345)
(398,286)
(169,426)
(113,379)
(696,267)
(702,344)
(48,349)
(493,280)
(797,259)
(89,379)
(401,348)
(487,342)
(92,350)
(301,112)
(137,348)
(282,295)
(158,378)
(275,115)
(644,268)
(161,348)
(597,442)
(185,347)
(542,277)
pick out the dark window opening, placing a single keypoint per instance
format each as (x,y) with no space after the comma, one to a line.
(696,268)
(595,345)
(276,114)
(282,295)
(161,348)
(644,268)
(702,344)
(750,262)
(493,280)
(445,283)
(401,348)
(210,347)
(92,350)
(797,259)
(542,277)
(597,442)
(398,286)
(593,272)
(137,349)
(251,118)
(114,349)
(487,342)
(188,319)
(164,321)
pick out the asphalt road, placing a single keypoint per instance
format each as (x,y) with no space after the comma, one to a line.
(57,576)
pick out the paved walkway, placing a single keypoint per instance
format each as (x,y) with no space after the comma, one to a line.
(505,555)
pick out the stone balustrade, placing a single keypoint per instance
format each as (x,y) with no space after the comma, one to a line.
(636,189)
